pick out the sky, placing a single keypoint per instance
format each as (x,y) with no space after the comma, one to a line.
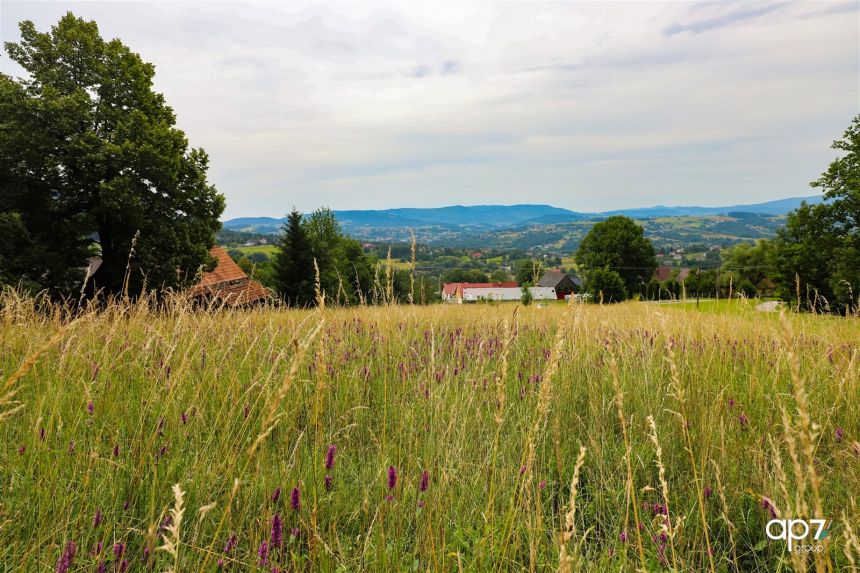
(586,106)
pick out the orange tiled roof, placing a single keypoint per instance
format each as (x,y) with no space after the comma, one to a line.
(227,282)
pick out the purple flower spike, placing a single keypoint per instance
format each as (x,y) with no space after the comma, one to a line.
(276,495)
(116,451)
(392,477)
(97,518)
(743,420)
(263,553)
(123,566)
(91,407)
(277,535)
(767,504)
(329,456)
(296,499)
(840,433)
(118,550)
(67,559)
(623,537)
(328,479)
(708,492)
(425,481)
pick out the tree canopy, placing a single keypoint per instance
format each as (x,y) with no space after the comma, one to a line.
(818,250)
(619,244)
(90,158)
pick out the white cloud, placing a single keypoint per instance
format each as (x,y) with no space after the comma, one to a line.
(586,106)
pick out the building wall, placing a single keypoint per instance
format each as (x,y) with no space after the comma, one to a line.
(503,293)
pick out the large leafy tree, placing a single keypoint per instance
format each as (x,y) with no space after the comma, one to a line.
(90,158)
(819,247)
(619,244)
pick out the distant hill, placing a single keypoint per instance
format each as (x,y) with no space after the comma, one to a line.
(543,226)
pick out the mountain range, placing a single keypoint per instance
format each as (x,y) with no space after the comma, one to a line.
(388,224)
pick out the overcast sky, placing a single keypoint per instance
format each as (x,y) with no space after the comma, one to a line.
(588,106)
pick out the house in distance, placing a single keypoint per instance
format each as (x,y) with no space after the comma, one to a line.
(227,284)
(562,283)
(474,292)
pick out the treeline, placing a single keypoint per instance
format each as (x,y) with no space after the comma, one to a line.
(317,263)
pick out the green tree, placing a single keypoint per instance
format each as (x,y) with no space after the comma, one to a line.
(500,276)
(820,244)
(529,271)
(619,244)
(464,276)
(748,262)
(293,269)
(90,158)
(605,285)
(526,297)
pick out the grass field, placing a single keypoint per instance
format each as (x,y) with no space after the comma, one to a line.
(269,250)
(443,438)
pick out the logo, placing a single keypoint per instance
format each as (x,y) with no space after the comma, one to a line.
(798,530)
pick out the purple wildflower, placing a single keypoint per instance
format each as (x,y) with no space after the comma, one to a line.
(220,563)
(21,450)
(623,537)
(101,567)
(118,550)
(41,434)
(184,417)
(840,433)
(231,544)
(294,531)
(392,477)
(123,566)
(145,556)
(329,456)
(542,484)
(425,481)
(126,505)
(328,479)
(91,407)
(263,553)
(97,518)
(116,451)
(708,492)
(743,420)
(296,499)
(64,563)
(276,495)
(277,535)
(731,402)
(767,504)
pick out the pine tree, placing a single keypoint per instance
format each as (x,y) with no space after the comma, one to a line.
(293,265)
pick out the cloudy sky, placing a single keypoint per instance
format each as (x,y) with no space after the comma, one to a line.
(588,106)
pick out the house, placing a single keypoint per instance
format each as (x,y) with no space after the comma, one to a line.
(473,292)
(561,282)
(227,283)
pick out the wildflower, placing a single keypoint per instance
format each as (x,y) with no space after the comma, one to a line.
(123,566)
(767,504)
(295,499)
(64,563)
(542,484)
(91,407)
(41,434)
(840,433)
(294,531)
(731,402)
(118,550)
(623,537)
(329,456)
(231,544)
(328,480)
(116,451)
(522,469)
(425,481)
(276,495)
(145,556)
(97,518)
(263,553)
(743,420)
(392,477)
(126,505)
(220,563)
(277,531)
(101,567)
(21,450)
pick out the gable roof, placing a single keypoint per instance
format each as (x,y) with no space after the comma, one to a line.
(551,278)
(227,282)
(225,269)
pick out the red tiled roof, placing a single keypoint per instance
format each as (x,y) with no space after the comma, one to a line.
(228,283)
(225,270)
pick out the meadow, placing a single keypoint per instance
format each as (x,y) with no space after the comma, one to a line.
(153,437)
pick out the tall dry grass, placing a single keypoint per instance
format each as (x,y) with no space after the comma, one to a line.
(460,435)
